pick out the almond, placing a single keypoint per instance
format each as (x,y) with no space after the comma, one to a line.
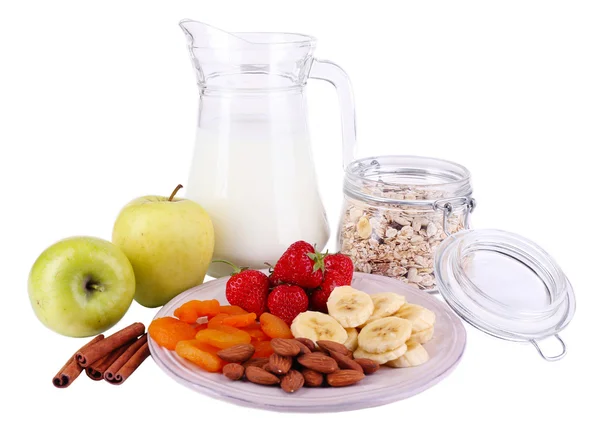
(267,367)
(285,347)
(256,361)
(233,371)
(318,362)
(260,376)
(319,353)
(344,362)
(237,353)
(279,364)
(303,348)
(292,381)
(334,346)
(308,342)
(344,377)
(312,378)
(369,366)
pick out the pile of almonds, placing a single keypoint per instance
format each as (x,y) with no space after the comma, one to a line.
(296,363)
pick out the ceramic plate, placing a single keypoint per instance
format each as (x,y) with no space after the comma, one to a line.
(385,386)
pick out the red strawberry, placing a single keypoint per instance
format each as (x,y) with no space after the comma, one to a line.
(247,288)
(272,279)
(338,272)
(287,301)
(318,300)
(339,264)
(300,265)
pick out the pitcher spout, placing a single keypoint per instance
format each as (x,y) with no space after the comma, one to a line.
(204,35)
(247,60)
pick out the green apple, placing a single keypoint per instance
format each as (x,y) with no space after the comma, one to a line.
(169,242)
(81,286)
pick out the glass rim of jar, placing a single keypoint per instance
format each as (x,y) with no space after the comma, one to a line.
(426,173)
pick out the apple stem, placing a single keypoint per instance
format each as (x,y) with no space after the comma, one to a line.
(236,269)
(175,191)
(95,287)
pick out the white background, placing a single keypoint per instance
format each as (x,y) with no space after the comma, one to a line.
(98,105)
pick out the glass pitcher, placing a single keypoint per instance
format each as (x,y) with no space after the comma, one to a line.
(252,168)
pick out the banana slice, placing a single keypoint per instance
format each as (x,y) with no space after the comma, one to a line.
(380,358)
(352,341)
(423,336)
(349,306)
(385,304)
(420,317)
(384,334)
(318,326)
(415,355)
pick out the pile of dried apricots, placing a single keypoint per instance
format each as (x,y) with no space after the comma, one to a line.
(201,328)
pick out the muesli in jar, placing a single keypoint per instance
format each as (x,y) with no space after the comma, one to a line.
(397,210)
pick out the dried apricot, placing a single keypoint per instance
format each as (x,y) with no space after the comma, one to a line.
(256,332)
(217,320)
(198,327)
(233,310)
(275,327)
(262,349)
(192,310)
(168,331)
(201,354)
(224,337)
(233,331)
(209,308)
(240,320)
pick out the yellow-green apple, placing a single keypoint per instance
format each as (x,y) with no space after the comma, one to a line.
(81,286)
(169,242)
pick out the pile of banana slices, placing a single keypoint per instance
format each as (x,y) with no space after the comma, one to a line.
(382,327)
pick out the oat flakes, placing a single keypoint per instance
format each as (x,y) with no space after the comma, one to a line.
(396,240)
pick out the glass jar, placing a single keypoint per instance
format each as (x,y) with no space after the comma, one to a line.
(398,210)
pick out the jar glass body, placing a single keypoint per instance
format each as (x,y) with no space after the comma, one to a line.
(397,210)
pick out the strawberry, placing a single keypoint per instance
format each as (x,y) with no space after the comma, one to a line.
(287,301)
(318,300)
(341,265)
(300,265)
(272,279)
(338,272)
(247,288)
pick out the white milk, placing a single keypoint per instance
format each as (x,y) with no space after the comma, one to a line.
(260,190)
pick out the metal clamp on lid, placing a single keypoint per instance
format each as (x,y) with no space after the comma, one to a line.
(448,205)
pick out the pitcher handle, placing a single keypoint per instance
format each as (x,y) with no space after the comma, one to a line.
(334,74)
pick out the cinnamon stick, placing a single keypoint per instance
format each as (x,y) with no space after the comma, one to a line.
(110,373)
(131,365)
(71,370)
(96,370)
(106,345)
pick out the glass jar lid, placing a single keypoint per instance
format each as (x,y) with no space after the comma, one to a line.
(505,285)
(401,180)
